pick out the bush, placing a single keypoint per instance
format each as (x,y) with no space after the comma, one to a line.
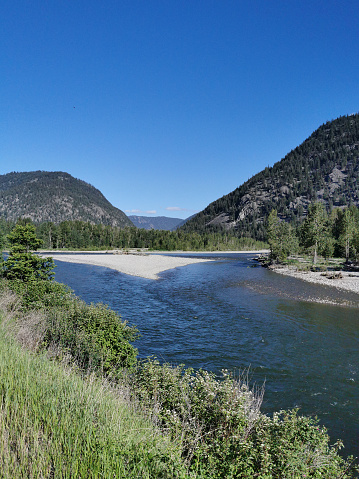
(223,432)
(42,294)
(94,335)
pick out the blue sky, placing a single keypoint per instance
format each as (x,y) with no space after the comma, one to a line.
(166,106)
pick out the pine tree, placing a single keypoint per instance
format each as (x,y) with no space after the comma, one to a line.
(22,264)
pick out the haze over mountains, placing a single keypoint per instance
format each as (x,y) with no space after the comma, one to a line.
(325,167)
(156,222)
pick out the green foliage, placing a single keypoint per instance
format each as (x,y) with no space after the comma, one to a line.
(57,424)
(94,335)
(225,435)
(347,230)
(23,239)
(41,294)
(314,230)
(319,234)
(21,263)
(281,238)
(28,267)
(2,245)
(81,235)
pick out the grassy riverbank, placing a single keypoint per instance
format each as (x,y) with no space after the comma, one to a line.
(77,404)
(54,423)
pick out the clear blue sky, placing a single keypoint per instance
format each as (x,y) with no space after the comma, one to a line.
(166,106)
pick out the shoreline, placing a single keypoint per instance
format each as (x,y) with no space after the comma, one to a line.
(145,266)
(348,282)
(155,252)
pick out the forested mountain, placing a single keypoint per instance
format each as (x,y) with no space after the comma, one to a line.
(324,168)
(55,196)
(155,222)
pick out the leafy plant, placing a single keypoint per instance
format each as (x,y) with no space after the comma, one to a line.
(94,335)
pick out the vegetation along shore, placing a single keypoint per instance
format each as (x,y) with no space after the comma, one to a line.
(93,409)
(323,249)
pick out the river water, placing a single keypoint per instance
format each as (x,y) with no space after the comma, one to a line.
(230,314)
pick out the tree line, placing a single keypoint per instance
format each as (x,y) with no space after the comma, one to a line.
(86,236)
(329,235)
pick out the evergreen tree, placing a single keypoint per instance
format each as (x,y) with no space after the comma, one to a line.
(22,264)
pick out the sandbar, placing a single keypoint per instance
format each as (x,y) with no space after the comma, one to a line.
(146,266)
(348,282)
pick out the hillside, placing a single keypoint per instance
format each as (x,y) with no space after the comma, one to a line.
(325,167)
(55,196)
(155,222)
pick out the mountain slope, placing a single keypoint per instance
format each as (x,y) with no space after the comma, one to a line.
(325,167)
(155,222)
(55,196)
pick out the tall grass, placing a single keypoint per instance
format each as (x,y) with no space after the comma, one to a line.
(55,424)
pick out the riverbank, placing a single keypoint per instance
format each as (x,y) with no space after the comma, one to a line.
(49,403)
(349,281)
(146,266)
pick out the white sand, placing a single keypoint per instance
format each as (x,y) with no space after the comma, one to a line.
(148,266)
(349,282)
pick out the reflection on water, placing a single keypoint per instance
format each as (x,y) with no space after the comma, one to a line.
(227,314)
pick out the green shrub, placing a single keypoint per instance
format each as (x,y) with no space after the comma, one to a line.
(42,294)
(94,335)
(223,432)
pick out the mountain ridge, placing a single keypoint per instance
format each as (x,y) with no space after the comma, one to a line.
(156,222)
(55,196)
(325,167)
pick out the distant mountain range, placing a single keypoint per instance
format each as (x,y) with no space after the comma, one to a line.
(55,196)
(156,222)
(325,167)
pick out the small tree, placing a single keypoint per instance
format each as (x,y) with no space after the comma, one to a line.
(22,264)
(347,230)
(314,230)
(281,239)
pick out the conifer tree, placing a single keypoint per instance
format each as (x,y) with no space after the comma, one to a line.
(22,264)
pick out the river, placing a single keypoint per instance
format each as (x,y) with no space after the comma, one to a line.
(230,314)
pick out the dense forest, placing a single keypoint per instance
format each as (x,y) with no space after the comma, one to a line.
(325,168)
(85,235)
